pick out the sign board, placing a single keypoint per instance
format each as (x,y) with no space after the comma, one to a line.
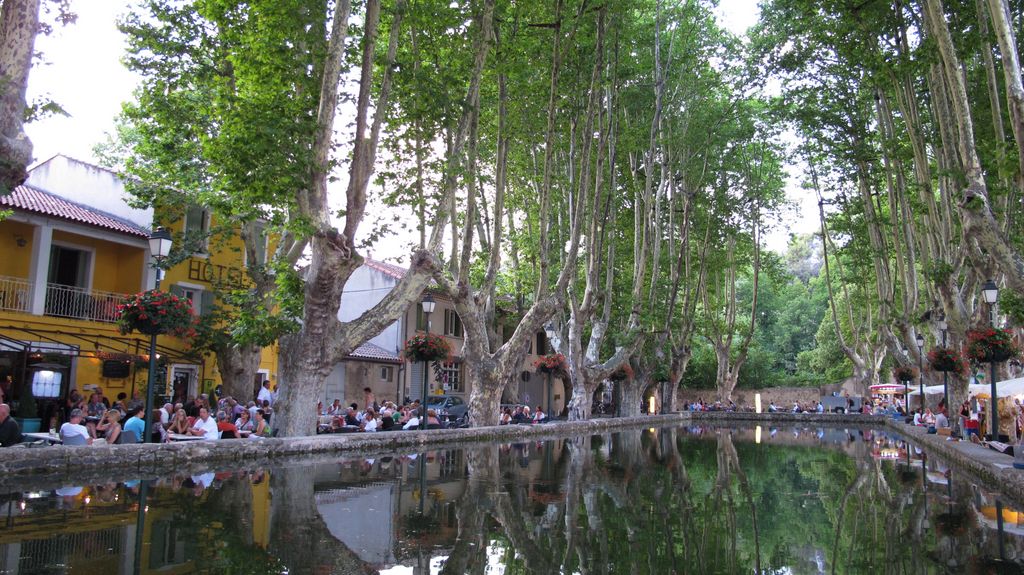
(116,368)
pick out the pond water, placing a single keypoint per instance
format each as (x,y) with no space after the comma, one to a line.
(674,500)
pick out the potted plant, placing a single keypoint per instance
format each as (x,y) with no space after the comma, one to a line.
(990,345)
(905,373)
(155,312)
(427,347)
(553,364)
(947,359)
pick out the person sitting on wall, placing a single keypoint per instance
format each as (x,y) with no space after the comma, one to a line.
(204,425)
(136,423)
(10,431)
(75,428)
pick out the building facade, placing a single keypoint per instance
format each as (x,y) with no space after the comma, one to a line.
(366,287)
(73,248)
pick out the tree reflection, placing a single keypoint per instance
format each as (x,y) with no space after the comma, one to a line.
(301,539)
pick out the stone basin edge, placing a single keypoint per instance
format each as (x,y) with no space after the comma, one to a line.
(58,466)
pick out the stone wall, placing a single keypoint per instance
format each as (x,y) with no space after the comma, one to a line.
(782,396)
(53,467)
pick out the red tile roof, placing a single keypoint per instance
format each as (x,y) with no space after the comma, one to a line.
(375,353)
(395,271)
(28,199)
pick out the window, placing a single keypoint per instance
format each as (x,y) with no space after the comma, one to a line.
(197,228)
(202,300)
(452,323)
(386,373)
(421,319)
(542,344)
(450,376)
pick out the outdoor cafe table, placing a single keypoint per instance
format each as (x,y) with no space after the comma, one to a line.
(183,437)
(45,437)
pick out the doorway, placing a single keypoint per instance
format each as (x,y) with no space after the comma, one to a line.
(184,382)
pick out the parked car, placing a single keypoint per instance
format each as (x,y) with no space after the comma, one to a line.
(840,404)
(448,407)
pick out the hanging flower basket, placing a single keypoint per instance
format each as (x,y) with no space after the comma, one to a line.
(990,345)
(156,312)
(905,373)
(946,359)
(553,364)
(427,347)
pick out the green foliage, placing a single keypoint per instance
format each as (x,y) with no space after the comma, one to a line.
(1011,303)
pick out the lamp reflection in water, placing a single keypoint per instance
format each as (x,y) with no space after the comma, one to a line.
(757,435)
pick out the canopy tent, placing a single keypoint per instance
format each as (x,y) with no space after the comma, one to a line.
(887,389)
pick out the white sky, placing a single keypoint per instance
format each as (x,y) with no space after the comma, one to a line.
(83,73)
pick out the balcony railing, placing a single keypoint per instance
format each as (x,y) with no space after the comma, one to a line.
(15,294)
(78,303)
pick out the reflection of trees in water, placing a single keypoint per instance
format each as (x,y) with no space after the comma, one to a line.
(300,538)
(661,504)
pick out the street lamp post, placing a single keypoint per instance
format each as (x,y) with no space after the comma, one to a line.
(906,387)
(920,369)
(428,307)
(991,293)
(945,374)
(159,248)
(550,333)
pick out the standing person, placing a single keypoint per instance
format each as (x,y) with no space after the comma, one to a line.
(10,431)
(370,400)
(265,395)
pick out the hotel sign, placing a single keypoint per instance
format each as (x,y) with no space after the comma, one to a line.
(204,271)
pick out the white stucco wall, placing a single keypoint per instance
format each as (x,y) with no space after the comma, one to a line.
(364,290)
(87,185)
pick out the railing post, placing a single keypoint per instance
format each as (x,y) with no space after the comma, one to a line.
(42,236)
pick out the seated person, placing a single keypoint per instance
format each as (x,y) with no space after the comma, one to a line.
(432,418)
(110,426)
(941,421)
(75,428)
(370,420)
(244,422)
(136,423)
(10,431)
(506,416)
(179,425)
(225,427)
(204,425)
(413,421)
(539,416)
(519,415)
(350,416)
(260,426)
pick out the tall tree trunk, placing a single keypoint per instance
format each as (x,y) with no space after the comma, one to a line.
(19,24)
(238,365)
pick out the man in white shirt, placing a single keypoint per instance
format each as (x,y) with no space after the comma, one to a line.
(166,414)
(74,427)
(265,394)
(204,425)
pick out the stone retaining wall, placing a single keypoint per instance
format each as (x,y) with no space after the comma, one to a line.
(58,466)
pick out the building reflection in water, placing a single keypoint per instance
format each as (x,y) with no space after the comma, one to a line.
(687,500)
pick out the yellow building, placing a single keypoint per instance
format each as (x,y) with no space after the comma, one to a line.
(70,250)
